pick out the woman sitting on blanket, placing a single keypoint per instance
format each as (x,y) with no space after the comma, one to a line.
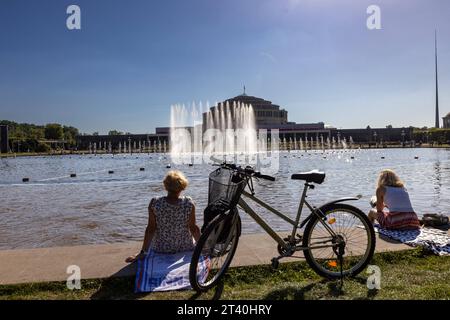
(171,220)
(391,194)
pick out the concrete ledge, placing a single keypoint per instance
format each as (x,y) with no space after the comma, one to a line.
(103,261)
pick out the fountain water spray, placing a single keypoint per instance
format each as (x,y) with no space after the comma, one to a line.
(224,129)
(227,131)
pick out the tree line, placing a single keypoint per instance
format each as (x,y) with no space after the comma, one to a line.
(24,137)
(432,135)
(27,137)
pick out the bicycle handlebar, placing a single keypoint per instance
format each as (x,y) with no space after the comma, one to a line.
(249,171)
(264,176)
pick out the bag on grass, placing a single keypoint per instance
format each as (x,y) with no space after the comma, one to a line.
(434,220)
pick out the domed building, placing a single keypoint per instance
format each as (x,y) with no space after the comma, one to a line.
(269,116)
(446,121)
(265,111)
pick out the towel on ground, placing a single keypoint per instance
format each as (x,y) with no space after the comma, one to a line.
(165,272)
(435,240)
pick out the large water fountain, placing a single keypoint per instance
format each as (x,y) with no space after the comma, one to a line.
(224,129)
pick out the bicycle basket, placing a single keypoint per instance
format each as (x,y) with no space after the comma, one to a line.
(225,187)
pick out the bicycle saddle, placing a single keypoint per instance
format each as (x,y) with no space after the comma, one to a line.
(311,176)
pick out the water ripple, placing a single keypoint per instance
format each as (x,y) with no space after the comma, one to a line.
(54,209)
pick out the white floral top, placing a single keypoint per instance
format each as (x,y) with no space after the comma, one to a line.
(172,232)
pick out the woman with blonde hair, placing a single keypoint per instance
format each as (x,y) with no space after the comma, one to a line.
(171,220)
(391,194)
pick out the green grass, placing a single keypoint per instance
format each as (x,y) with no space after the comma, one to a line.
(410,274)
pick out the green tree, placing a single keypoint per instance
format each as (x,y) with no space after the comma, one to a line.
(54,131)
(70,134)
(42,147)
(432,135)
(30,136)
(115,133)
(37,133)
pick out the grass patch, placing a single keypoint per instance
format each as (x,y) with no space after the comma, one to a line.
(410,274)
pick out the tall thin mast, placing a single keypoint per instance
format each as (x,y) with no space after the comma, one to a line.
(436,72)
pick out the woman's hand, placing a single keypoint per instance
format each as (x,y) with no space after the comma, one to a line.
(135,257)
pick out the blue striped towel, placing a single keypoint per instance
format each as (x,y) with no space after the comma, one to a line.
(165,272)
(435,240)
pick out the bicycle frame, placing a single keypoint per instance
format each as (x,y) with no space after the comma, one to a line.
(295,223)
(286,247)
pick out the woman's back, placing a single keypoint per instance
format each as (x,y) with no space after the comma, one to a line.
(397,199)
(392,194)
(172,233)
(401,215)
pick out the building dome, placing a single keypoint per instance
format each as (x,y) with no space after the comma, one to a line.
(266,113)
(446,121)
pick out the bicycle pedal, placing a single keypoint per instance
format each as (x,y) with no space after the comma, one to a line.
(296,240)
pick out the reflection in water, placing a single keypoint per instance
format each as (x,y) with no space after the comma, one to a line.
(437,182)
(54,209)
(437,169)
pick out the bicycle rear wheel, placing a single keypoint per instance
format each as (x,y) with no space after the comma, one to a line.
(351,225)
(214,251)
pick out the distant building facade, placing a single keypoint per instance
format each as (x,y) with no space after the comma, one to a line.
(446,121)
(116,141)
(375,135)
(269,117)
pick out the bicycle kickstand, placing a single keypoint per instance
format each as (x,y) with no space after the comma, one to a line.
(342,275)
(341,252)
(276,261)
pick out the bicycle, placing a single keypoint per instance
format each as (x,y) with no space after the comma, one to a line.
(338,239)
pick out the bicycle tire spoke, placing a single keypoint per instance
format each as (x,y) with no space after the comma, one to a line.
(344,224)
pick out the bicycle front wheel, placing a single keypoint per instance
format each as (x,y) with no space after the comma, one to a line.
(350,225)
(214,251)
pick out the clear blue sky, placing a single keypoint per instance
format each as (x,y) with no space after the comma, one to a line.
(133,59)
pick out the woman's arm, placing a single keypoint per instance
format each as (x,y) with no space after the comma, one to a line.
(193,228)
(380,199)
(148,236)
(150,230)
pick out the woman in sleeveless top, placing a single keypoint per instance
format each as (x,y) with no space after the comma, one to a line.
(171,221)
(391,194)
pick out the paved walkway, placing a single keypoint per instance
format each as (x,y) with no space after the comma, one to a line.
(103,261)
